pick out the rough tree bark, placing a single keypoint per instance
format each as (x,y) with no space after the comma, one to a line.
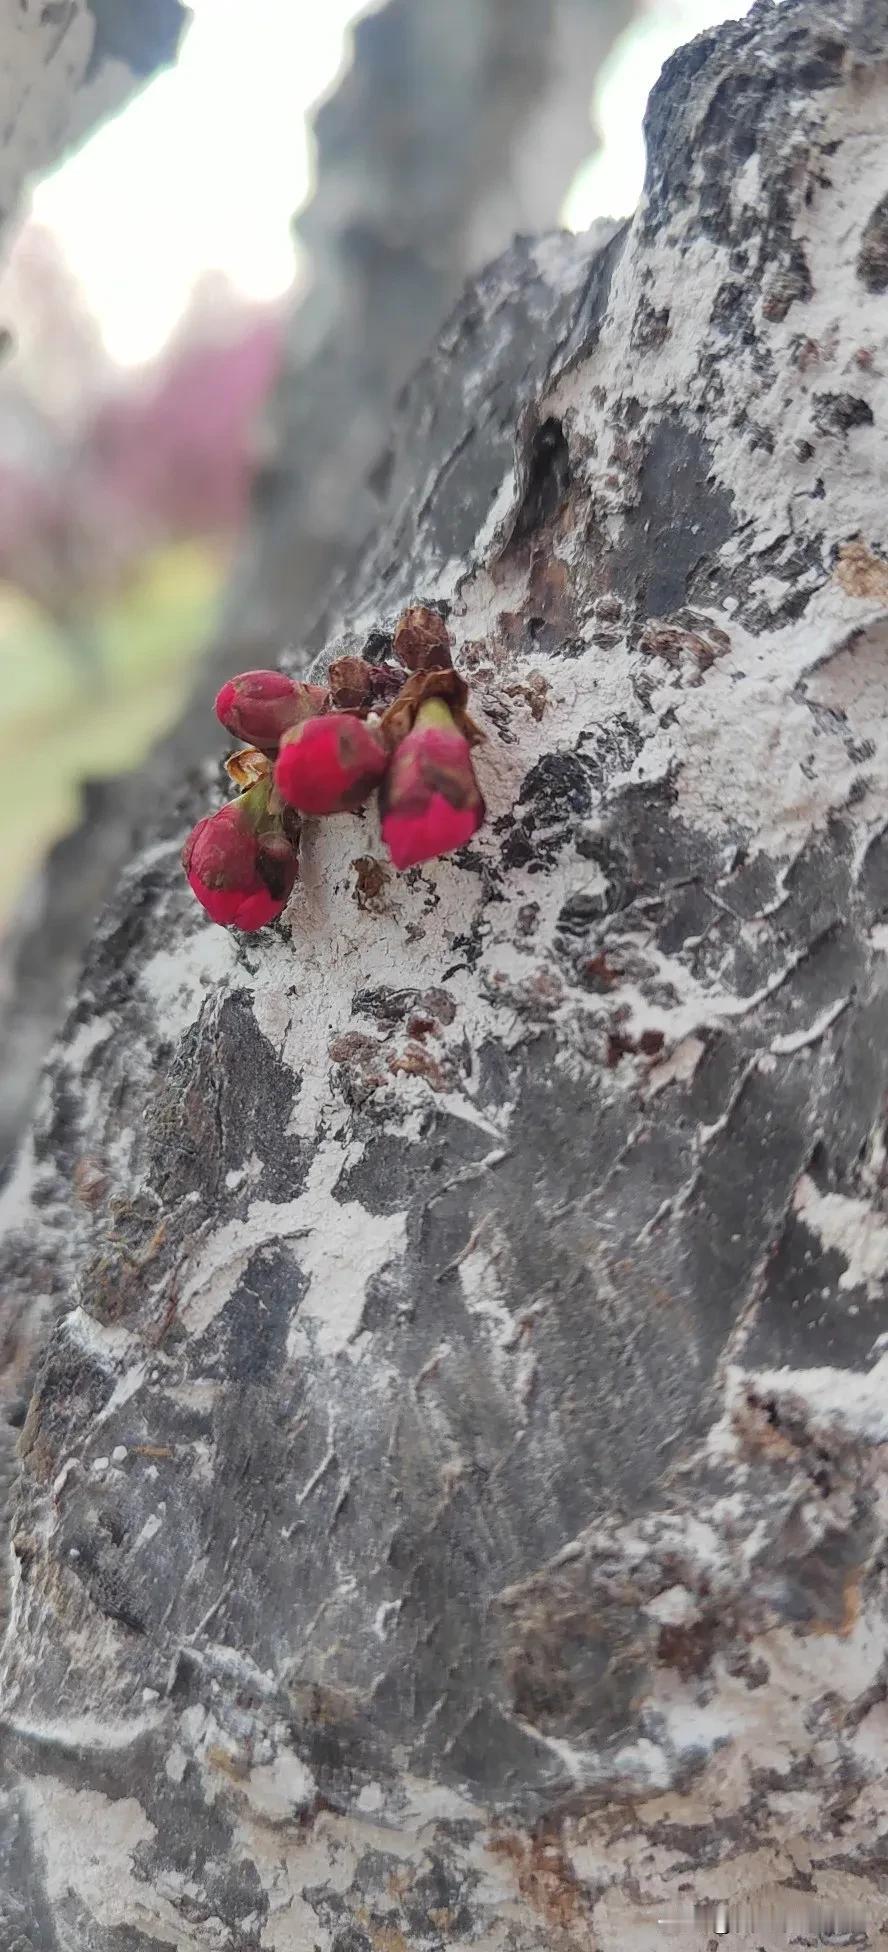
(453,1497)
(452,129)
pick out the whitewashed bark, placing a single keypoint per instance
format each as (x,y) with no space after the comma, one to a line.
(453,1505)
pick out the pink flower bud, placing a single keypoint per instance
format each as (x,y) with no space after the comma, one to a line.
(330,764)
(260,706)
(240,862)
(430,800)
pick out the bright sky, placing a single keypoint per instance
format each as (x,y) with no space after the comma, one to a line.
(202,171)
(611,184)
(205,168)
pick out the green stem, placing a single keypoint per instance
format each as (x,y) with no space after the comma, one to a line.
(435,711)
(254,802)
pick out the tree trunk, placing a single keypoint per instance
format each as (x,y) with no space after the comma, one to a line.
(453,1509)
(452,128)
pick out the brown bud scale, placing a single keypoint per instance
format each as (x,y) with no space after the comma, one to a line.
(422,640)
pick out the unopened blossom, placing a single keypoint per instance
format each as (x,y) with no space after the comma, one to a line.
(430,799)
(331,764)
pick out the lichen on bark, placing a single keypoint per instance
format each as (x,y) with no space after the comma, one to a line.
(453,1497)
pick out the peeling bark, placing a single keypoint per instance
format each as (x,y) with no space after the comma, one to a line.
(453,1495)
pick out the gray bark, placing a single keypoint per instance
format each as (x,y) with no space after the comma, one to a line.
(453,128)
(452,1507)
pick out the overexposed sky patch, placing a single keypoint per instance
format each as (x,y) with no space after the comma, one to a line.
(202,172)
(610,184)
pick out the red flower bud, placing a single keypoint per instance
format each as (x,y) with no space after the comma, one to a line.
(241,863)
(260,706)
(430,800)
(331,764)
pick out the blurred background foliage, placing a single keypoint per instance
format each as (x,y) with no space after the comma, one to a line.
(145,301)
(122,494)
